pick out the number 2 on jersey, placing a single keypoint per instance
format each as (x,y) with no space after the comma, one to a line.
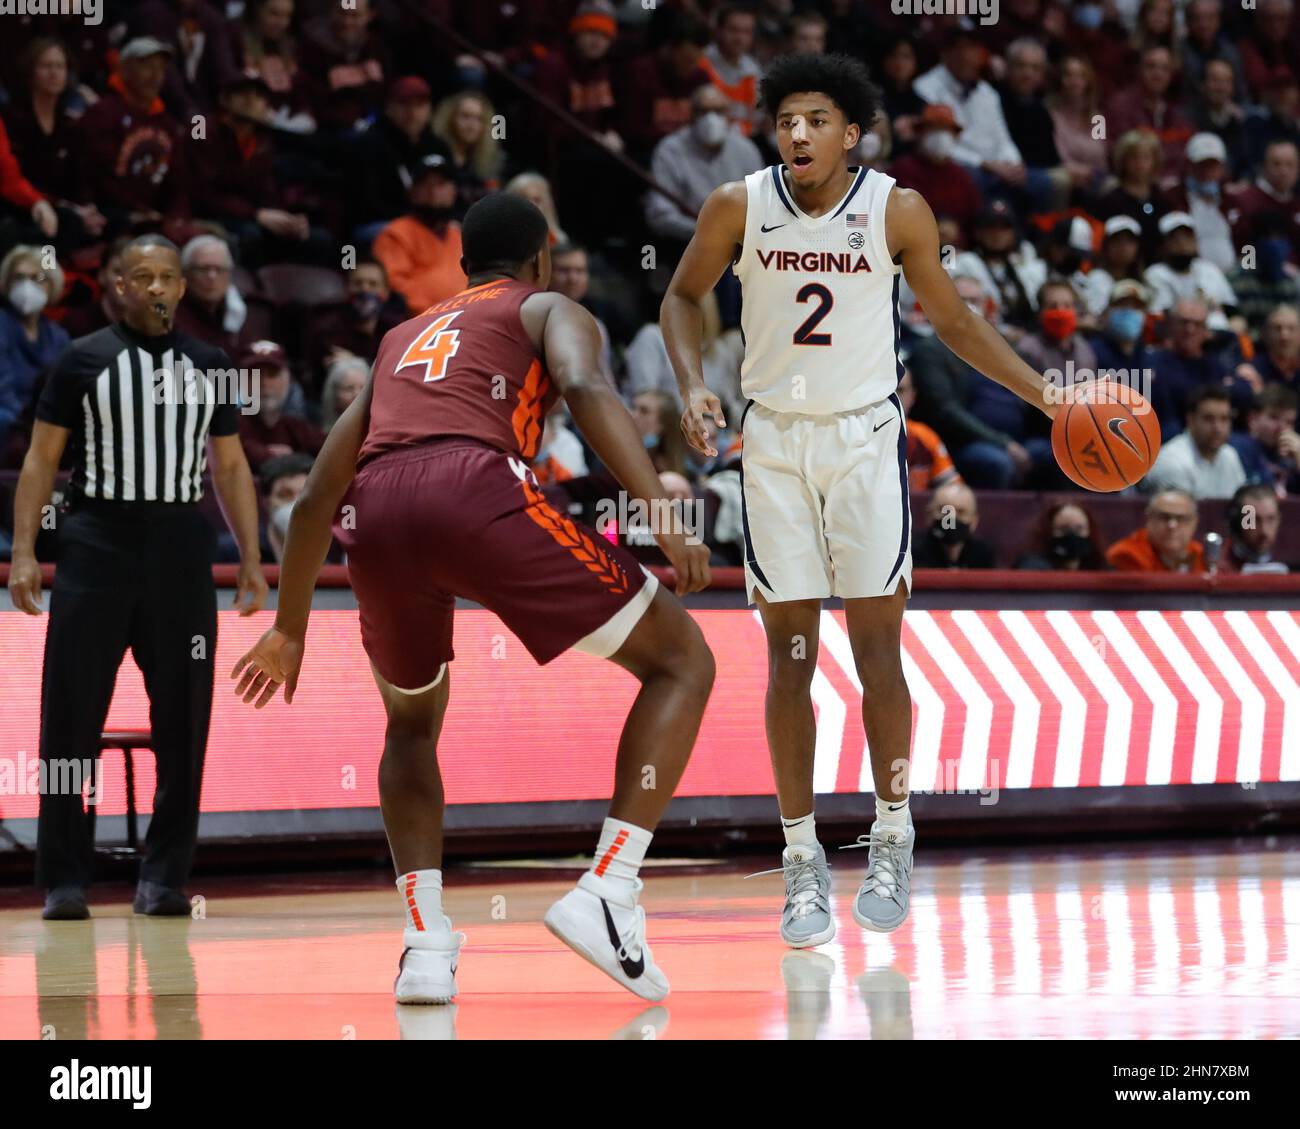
(804,335)
(433,348)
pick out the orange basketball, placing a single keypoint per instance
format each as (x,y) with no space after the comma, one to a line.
(1106,437)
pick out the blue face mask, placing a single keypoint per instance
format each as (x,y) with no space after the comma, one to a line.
(1125,324)
(650,441)
(1208,188)
(1088,16)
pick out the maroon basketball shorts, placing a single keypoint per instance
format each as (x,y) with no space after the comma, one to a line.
(459,518)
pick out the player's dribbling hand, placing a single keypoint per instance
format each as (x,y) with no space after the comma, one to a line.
(275,658)
(689,558)
(702,403)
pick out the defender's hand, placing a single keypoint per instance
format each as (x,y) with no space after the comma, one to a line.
(689,558)
(275,658)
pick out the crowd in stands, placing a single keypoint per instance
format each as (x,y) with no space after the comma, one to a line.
(1117,187)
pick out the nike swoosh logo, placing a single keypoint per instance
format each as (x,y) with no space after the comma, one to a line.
(895,807)
(880,425)
(632,969)
(765,228)
(1116,425)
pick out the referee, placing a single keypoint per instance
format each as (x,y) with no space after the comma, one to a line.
(139,403)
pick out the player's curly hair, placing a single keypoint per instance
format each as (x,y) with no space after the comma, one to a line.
(843,77)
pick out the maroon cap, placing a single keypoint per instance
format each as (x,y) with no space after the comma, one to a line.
(409,89)
(264,355)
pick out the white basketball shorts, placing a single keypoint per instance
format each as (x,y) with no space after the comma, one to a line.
(825,503)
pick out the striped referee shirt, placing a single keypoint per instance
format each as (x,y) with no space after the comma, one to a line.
(140,410)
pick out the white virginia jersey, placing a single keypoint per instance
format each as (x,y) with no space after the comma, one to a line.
(819,315)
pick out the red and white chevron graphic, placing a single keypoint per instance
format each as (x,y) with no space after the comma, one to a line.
(1033,699)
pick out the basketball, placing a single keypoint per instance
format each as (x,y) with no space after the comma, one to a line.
(1106,437)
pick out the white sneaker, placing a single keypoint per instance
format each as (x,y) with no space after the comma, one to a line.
(603,924)
(426,974)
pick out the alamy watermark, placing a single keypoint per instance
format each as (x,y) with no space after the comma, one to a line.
(1131,386)
(639,522)
(986,10)
(91,11)
(238,387)
(39,776)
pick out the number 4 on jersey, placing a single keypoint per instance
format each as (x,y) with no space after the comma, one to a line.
(433,348)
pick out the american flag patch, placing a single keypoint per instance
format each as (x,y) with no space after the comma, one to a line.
(855,219)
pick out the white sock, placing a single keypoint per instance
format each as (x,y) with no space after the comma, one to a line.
(893,813)
(621,851)
(421,890)
(800,831)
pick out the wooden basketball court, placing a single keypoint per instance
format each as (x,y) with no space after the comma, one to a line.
(1149,941)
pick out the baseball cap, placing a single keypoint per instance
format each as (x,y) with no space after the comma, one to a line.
(266,355)
(594,15)
(144,46)
(996,211)
(1116,224)
(938,116)
(436,162)
(1206,147)
(412,88)
(1173,221)
(1129,288)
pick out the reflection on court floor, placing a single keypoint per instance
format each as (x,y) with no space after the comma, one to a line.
(1151,941)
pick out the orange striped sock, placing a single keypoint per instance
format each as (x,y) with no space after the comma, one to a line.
(621,850)
(421,891)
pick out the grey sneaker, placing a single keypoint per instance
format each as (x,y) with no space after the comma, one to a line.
(806,919)
(886,892)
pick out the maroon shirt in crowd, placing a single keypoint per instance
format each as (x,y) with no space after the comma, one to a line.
(300,435)
(232,179)
(51,161)
(655,100)
(948,188)
(134,159)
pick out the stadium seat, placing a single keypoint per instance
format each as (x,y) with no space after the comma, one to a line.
(127,740)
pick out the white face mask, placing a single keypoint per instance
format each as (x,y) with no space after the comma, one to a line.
(939,144)
(711,129)
(869,146)
(28,297)
(280,518)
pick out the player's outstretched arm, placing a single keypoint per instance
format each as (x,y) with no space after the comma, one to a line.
(571,347)
(719,232)
(914,242)
(277,657)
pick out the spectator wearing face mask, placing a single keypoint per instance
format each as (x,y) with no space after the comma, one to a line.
(1200,195)
(1056,347)
(1006,265)
(1183,273)
(1269,448)
(1166,543)
(1065,537)
(1120,258)
(282,479)
(692,161)
(356,328)
(930,169)
(1118,341)
(421,250)
(1200,461)
(29,341)
(1254,519)
(949,540)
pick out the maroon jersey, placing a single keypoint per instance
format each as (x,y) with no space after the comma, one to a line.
(464,367)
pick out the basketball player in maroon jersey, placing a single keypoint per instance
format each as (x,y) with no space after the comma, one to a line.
(432,461)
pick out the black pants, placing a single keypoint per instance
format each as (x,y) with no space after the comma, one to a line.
(137,576)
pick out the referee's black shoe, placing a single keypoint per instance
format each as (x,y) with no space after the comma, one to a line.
(157,900)
(66,903)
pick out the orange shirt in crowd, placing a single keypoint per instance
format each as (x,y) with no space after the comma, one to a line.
(423,266)
(1134,553)
(928,463)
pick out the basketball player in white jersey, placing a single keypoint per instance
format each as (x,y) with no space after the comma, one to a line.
(818,248)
